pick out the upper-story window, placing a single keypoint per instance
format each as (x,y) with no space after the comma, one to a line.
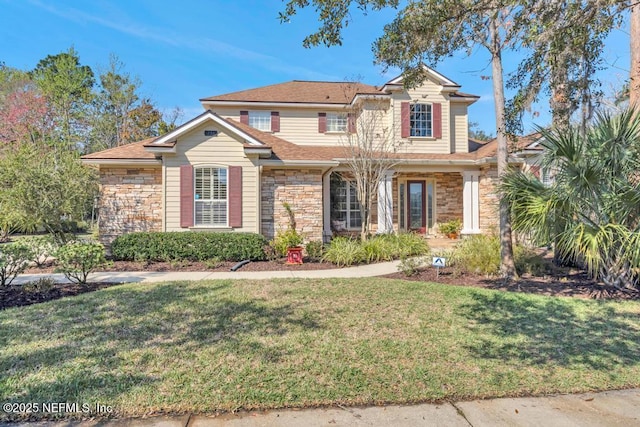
(260,120)
(337,122)
(210,196)
(420,120)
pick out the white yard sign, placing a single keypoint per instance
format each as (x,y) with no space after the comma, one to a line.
(439,261)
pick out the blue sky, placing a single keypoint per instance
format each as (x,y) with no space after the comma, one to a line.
(183,51)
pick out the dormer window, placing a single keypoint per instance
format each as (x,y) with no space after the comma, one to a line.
(260,120)
(420,120)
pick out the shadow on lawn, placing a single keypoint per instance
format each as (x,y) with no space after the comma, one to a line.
(99,345)
(552,331)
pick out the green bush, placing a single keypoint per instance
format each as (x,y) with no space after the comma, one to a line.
(188,246)
(344,251)
(41,247)
(14,258)
(77,259)
(411,266)
(385,247)
(481,254)
(478,254)
(529,261)
(286,239)
(315,250)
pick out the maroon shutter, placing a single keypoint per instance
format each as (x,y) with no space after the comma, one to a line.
(186,196)
(351,123)
(275,121)
(404,120)
(235,196)
(244,117)
(437,120)
(322,122)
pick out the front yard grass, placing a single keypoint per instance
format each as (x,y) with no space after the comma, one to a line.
(225,345)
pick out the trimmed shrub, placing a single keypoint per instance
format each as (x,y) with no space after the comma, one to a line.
(188,246)
(315,250)
(14,259)
(41,247)
(77,259)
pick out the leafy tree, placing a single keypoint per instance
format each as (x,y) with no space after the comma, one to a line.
(120,115)
(478,134)
(24,113)
(47,188)
(564,41)
(592,209)
(68,87)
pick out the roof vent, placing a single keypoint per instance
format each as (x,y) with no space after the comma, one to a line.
(210,133)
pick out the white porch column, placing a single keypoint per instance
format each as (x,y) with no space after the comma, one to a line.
(471,202)
(326,206)
(385,204)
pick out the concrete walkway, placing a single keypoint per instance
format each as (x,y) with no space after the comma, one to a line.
(614,408)
(370,270)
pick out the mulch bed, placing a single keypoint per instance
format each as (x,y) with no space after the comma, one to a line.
(18,295)
(564,282)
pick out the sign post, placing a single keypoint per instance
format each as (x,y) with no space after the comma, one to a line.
(438,262)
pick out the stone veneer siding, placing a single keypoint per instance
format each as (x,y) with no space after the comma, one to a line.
(302,189)
(448,192)
(489,199)
(130,200)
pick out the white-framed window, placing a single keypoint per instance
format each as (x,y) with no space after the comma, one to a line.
(337,122)
(211,202)
(420,120)
(345,212)
(260,120)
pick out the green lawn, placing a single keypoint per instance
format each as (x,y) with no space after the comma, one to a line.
(224,345)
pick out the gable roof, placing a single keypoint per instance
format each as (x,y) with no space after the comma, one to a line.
(299,91)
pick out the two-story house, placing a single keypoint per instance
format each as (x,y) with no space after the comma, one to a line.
(232,167)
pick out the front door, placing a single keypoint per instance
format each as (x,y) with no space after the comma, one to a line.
(416,202)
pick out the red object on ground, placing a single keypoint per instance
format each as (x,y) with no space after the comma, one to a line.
(294,255)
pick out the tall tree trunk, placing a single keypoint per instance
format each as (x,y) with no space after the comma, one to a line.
(507,264)
(560,101)
(634,75)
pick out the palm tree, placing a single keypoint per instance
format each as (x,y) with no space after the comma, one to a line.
(592,209)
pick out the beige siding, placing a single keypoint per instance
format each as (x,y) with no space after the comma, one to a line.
(299,126)
(460,128)
(222,150)
(429,92)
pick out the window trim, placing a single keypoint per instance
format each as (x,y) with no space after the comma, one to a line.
(412,120)
(264,115)
(349,183)
(334,117)
(197,225)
